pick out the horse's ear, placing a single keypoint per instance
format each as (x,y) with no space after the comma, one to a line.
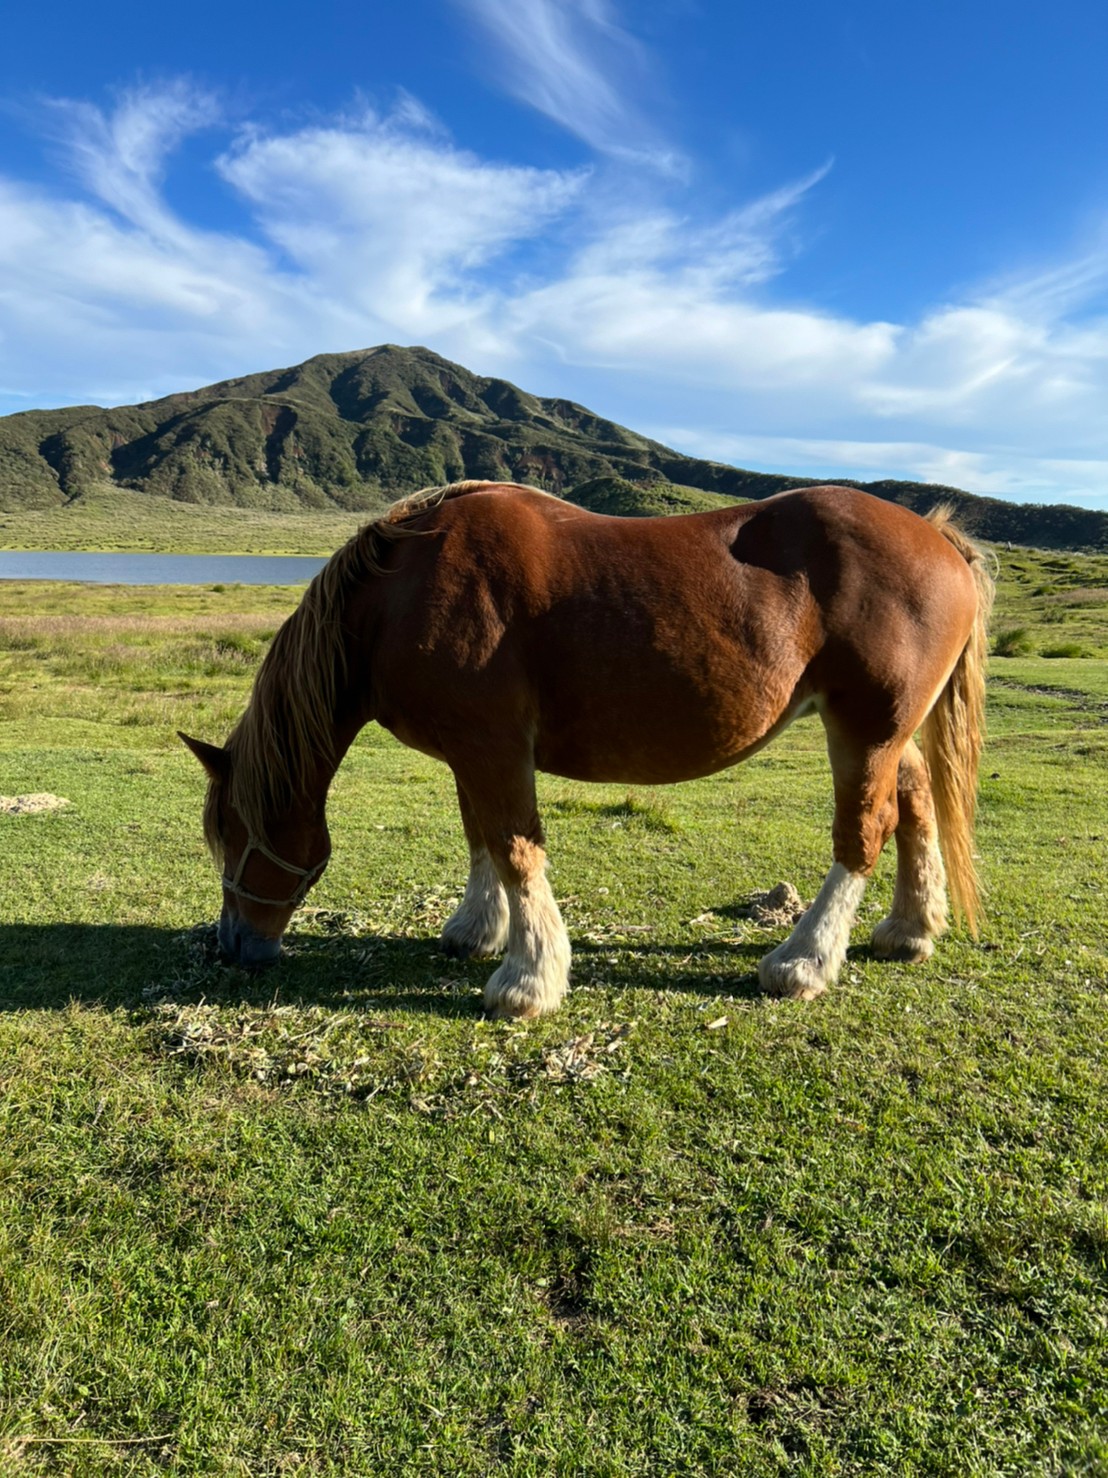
(216,761)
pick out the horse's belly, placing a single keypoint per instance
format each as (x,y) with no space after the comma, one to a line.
(627,768)
(654,747)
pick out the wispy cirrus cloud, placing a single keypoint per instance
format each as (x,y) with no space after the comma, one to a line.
(573,61)
(370,228)
(745,247)
(120,156)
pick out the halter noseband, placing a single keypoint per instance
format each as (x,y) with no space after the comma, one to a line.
(307,876)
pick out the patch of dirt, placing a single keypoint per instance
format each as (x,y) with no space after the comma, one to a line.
(780,907)
(29,805)
(1074,697)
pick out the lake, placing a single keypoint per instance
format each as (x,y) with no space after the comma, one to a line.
(159,569)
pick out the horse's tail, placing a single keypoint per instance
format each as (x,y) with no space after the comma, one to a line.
(953,733)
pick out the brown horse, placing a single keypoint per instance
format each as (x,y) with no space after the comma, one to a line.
(504,631)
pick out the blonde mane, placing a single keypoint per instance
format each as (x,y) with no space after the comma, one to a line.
(288,726)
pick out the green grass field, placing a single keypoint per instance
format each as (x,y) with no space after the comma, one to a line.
(115,519)
(331,1221)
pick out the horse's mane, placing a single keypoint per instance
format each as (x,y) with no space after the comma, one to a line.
(289,723)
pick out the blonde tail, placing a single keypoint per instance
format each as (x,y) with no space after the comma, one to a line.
(953,733)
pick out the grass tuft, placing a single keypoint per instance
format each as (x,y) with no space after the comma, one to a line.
(1014,642)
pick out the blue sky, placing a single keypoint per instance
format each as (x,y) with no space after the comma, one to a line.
(865,239)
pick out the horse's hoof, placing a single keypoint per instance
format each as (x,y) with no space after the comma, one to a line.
(456,949)
(469,949)
(501,1012)
(793,980)
(523,994)
(896,939)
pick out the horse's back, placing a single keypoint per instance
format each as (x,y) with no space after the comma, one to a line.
(835,555)
(660,648)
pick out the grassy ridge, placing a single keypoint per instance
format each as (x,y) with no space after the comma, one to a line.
(330,1221)
(110,519)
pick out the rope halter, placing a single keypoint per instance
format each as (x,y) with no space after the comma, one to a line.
(307,876)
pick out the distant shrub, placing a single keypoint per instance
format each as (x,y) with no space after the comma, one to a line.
(234,644)
(219,653)
(1066,649)
(1015,642)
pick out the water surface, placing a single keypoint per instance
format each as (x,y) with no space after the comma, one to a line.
(159,569)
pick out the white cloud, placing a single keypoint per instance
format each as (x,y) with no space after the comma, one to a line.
(568,59)
(391,220)
(378,228)
(740,250)
(667,325)
(996,472)
(370,230)
(991,365)
(120,156)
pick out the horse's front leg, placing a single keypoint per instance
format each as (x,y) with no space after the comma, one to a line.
(812,956)
(865,816)
(479,925)
(534,974)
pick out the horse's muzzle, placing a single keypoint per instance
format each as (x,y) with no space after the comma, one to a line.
(241,945)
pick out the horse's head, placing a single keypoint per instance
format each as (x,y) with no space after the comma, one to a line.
(266,873)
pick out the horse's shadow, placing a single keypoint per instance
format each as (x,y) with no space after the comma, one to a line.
(136,968)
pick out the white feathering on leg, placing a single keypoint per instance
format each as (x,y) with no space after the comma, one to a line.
(919,911)
(534,975)
(479,925)
(809,960)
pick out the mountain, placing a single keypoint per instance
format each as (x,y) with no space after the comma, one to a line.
(353,431)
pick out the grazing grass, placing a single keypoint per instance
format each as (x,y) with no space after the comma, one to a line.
(330,1221)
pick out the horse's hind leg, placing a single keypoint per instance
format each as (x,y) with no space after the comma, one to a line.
(479,925)
(534,974)
(919,910)
(865,816)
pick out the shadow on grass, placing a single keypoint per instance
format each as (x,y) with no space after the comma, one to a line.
(130,967)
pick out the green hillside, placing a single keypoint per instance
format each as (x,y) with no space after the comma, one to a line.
(347,433)
(343,431)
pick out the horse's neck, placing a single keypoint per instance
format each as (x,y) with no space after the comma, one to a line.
(360,619)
